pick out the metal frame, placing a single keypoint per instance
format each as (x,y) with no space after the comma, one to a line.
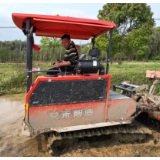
(129,89)
(109,51)
(24,28)
(44,71)
(29,54)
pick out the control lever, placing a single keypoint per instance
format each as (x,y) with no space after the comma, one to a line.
(59,68)
(57,61)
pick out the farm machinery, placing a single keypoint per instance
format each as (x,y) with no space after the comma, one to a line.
(81,104)
(150,103)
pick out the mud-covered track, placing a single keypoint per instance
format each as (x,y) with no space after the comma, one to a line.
(139,134)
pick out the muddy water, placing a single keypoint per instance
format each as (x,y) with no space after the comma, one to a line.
(13,143)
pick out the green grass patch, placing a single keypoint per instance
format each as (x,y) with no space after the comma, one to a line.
(13,77)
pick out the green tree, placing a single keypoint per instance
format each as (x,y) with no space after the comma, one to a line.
(154,46)
(102,42)
(86,48)
(49,44)
(128,17)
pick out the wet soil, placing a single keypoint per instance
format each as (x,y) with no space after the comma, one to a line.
(14,144)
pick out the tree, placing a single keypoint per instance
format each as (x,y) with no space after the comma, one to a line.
(50,43)
(102,42)
(86,48)
(128,17)
(154,45)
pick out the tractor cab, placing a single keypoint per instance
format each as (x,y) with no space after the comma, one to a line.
(57,26)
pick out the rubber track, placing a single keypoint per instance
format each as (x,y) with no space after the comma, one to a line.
(121,129)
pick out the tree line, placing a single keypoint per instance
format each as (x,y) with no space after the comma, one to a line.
(15,51)
(145,52)
(135,38)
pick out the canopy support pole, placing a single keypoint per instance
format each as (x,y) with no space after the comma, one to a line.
(29,55)
(93,42)
(109,51)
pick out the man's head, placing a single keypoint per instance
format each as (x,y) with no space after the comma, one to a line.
(66,40)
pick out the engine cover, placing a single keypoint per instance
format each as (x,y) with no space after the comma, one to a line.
(87,66)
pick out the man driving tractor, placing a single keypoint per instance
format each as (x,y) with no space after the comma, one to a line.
(70,58)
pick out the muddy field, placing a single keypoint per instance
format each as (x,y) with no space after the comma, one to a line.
(13,143)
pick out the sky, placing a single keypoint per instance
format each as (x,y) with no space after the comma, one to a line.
(79,10)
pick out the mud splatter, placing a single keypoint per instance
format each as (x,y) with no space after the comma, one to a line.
(13,143)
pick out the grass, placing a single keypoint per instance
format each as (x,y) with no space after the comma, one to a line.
(13,76)
(135,73)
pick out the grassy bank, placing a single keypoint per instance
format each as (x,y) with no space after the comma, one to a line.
(135,73)
(13,76)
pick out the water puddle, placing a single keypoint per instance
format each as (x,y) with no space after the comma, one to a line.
(12,142)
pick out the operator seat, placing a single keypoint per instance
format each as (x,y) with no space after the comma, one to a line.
(78,48)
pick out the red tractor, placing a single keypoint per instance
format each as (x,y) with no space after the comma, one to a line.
(80,104)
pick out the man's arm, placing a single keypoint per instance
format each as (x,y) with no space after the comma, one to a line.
(67,63)
(60,61)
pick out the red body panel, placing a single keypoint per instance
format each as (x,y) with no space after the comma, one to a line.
(52,116)
(41,116)
(121,109)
